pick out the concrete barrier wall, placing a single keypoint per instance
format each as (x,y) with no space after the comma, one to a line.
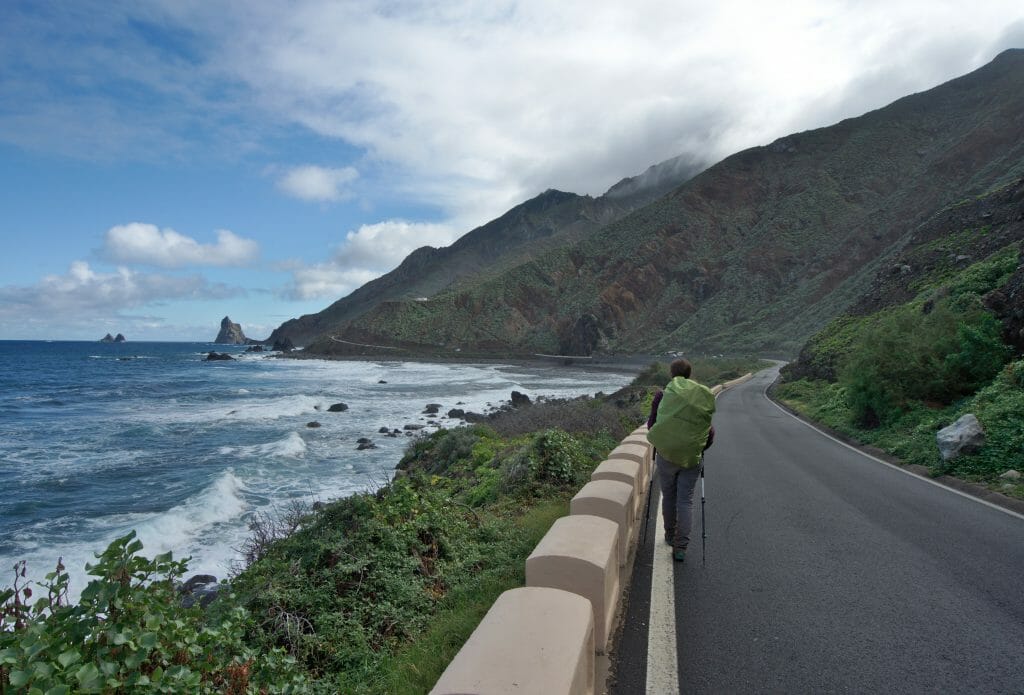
(537,642)
(612,500)
(557,625)
(623,471)
(580,554)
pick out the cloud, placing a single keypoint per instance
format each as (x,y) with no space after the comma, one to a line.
(83,294)
(472,106)
(365,254)
(520,96)
(138,242)
(320,184)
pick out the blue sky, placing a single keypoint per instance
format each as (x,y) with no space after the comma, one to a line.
(165,163)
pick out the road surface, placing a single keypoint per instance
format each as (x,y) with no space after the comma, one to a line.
(827,572)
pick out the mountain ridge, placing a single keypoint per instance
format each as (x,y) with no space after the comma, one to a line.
(755,253)
(546,220)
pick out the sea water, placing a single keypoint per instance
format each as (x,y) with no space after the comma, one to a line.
(98,439)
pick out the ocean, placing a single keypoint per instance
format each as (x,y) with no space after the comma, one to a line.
(98,439)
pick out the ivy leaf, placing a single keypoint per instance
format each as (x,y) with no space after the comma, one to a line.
(19,678)
(88,677)
(69,657)
(59,690)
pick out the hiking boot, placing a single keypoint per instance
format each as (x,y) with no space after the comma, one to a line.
(670,537)
(679,555)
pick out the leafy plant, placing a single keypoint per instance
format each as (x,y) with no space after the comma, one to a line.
(128,633)
(907,355)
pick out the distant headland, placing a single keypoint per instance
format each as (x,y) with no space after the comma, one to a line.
(111,339)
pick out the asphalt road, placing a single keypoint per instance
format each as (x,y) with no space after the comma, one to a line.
(829,572)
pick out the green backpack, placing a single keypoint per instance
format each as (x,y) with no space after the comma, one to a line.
(684,418)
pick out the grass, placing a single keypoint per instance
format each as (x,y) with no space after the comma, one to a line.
(415,668)
(910,436)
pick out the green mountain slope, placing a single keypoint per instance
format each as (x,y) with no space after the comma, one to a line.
(551,219)
(754,254)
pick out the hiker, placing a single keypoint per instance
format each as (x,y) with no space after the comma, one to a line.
(679,428)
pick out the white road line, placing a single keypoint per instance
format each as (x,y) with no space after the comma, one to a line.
(1004,510)
(662,658)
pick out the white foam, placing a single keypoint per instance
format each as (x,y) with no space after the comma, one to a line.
(180,529)
(244,391)
(249,410)
(292,446)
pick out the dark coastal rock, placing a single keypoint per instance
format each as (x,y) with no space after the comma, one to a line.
(119,338)
(474,417)
(201,588)
(230,333)
(314,423)
(411,427)
(456,413)
(382,382)
(254,348)
(383,430)
(111,339)
(366,445)
(363,440)
(285,345)
(337,408)
(520,399)
(218,357)
(432,409)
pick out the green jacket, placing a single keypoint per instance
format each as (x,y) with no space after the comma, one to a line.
(684,418)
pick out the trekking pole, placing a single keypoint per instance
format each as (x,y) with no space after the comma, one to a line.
(703,524)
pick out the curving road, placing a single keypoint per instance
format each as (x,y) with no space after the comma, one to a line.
(827,572)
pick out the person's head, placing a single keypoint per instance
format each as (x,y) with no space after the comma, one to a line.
(680,368)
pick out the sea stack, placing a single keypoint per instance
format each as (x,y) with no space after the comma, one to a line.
(230,333)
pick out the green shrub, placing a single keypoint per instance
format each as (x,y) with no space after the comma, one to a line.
(559,458)
(908,355)
(128,633)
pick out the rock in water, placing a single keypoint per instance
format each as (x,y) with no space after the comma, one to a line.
(962,437)
(230,333)
(107,338)
(519,399)
(201,589)
(119,338)
(337,408)
(218,356)
(285,345)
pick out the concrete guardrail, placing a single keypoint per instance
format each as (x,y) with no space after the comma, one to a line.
(557,628)
(543,638)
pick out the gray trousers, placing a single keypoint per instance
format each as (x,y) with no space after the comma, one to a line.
(676,500)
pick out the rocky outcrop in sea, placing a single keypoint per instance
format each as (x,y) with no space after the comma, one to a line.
(231,334)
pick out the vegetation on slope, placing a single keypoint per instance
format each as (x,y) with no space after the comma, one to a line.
(934,338)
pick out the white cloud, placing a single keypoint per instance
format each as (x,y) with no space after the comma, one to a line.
(515,97)
(83,294)
(365,254)
(382,246)
(470,105)
(326,281)
(138,242)
(316,183)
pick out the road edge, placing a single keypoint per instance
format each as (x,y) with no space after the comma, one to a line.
(973,491)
